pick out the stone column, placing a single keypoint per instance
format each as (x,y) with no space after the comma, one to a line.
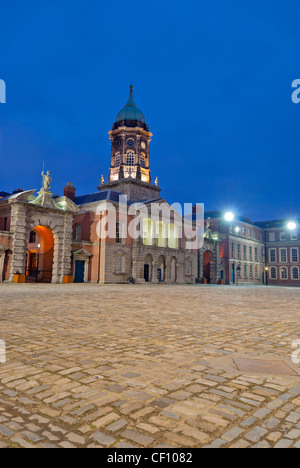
(19,229)
(2,258)
(62,248)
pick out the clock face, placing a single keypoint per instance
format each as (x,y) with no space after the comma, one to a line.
(117,143)
(130,142)
(143,145)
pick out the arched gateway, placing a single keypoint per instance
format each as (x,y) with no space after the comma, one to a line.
(51,219)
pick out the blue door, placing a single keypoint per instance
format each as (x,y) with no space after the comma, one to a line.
(159,275)
(79,271)
(233,274)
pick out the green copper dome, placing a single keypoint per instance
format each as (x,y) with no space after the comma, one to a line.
(130,111)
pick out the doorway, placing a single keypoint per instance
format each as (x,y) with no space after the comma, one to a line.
(79,271)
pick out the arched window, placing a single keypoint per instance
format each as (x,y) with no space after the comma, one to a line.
(295,273)
(147,231)
(143,163)
(284,273)
(130,158)
(120,261)
(273,273)
(172,236)
(117,159)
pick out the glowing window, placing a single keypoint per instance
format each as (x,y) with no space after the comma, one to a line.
(147,231)
(172,236)
(160,234)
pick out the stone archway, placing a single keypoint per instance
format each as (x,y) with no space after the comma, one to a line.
(208,266)
(55,218)
(40,252)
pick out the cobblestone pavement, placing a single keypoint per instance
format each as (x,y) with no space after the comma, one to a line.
(148,366)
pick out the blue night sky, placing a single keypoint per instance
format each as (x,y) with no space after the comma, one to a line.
(212,78)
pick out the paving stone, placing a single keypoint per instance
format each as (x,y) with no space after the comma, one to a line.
(103,439)
(256,434)
(146,375)
(283,443)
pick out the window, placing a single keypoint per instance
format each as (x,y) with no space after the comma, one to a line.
(78,232)
(283,255)
(160,234)
(249,232)
(272,237)
(239,251)
(272,255)
(119,233)
(294,255)
(245,272)
(143,160)
(256,254)
(119,263)
(245,252)
(294,237)
(5,224)
(232,250)
(172,236)
(273,273)
(284,273)
(262,254)
(147,231)
(117,159)
(282,236)
(256,272)
(295,273)
(251,272)
(244,231)
(130,158)
(250,253)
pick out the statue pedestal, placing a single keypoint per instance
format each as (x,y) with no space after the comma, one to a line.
(44,199)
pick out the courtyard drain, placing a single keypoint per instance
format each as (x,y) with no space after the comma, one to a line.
(262,366)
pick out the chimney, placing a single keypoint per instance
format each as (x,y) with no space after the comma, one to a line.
(69,191)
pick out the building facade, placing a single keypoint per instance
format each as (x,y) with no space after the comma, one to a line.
(258,252)
(89,238)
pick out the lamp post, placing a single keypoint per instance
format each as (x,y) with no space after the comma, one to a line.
(266,272)
(238,269)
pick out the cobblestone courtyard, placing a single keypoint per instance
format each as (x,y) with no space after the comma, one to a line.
(149,366)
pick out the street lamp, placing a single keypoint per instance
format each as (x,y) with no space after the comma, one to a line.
(292,226)
(238,269)
(229,216)
(266,271)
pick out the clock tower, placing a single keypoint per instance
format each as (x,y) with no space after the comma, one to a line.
(130,139)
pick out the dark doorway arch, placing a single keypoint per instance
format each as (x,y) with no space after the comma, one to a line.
(208,266)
